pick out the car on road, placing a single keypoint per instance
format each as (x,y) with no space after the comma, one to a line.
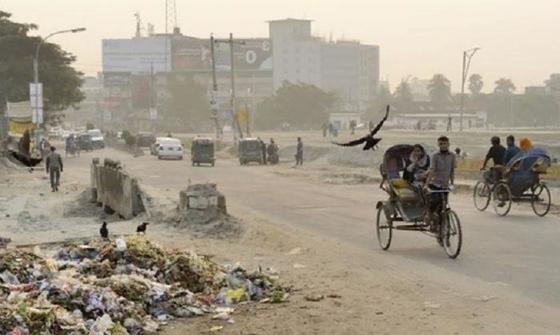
(97,139)
(154,147)
(250,150)
(170,148)
(202,151)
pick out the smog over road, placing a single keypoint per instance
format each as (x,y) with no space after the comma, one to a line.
(294,167)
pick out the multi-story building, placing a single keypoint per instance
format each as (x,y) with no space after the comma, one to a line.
(290,53)
(348,68)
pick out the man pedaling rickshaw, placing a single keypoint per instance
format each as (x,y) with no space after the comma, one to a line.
(441,177)
(497,154)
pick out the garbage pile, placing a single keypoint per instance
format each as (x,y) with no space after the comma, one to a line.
(129,286)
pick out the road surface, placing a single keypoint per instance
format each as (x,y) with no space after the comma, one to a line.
(519,252)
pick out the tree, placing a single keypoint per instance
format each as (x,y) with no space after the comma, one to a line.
(403,95)
(504,86)
(301,105)
(381,100)
(186,104)
(553,83)
(61,82)
(440,90)
(475,84)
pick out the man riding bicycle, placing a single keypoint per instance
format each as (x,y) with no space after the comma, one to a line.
(441,177)
(497,154)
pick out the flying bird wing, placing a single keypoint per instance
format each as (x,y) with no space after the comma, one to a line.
(380,124)
(369,140)
(25,159)
(352,143)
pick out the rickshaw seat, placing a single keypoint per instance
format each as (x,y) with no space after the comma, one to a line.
(403,190)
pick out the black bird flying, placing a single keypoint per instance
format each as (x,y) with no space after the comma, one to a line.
(25,159)
(104,232)
(369,140)
(142,228)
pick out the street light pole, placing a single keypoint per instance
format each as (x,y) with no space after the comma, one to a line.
(467,56)
(235,121)
(39,118)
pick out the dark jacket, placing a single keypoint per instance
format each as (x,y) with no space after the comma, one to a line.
(511,151)
(496,154)
(54,161)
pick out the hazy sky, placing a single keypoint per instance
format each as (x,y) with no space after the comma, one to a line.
(519,38)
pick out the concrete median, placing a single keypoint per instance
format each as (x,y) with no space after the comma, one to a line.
(115,189)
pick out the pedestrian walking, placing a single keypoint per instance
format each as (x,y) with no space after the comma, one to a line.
(263,150)
(54,168)
(299,152)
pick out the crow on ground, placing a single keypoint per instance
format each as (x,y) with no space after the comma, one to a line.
(104,232)
(369,140)
(142,228)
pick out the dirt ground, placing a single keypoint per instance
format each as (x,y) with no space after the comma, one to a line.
(360,290)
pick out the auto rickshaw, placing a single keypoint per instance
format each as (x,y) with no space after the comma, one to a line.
(250,150)
(202,151)
(85,142)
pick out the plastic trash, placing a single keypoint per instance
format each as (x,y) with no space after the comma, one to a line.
(121,244)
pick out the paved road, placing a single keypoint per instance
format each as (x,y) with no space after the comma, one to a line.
(519,252)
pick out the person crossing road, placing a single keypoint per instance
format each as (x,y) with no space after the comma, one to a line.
(54,168)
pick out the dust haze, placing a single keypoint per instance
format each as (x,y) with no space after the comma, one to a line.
(279,168)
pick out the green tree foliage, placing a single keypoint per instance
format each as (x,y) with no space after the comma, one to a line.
(521,110)
(186,105)
(553,83)
(440,90)
(61,82)
(504,86)
(381,100)
(403,96)
(475,84)
(301,105)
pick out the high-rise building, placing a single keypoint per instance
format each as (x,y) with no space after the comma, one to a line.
(349,68)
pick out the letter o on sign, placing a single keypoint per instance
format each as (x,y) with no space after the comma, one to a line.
(251,57)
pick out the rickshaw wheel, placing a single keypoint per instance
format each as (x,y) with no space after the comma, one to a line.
(541,200)
(384,228)
(502,199)
(481,196)
(452,235)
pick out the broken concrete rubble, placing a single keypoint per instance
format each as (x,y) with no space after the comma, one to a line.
(97,288)
(202,209)
(202,197)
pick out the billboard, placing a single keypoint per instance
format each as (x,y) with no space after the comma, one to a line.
(137,55)
(193,54)
(116,79)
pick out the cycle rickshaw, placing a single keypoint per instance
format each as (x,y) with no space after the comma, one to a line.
(406,207)
(521,183)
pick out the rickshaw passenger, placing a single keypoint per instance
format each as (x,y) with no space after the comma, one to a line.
(416,172)
(512,150)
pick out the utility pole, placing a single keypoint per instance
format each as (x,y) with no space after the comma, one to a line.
(232,67)
(37,103)
(214,91)
(467,56)
(235,121)
(3,112)
(152,110)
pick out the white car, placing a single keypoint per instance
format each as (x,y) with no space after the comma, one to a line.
(97,138)
(170,148)
(154,147)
